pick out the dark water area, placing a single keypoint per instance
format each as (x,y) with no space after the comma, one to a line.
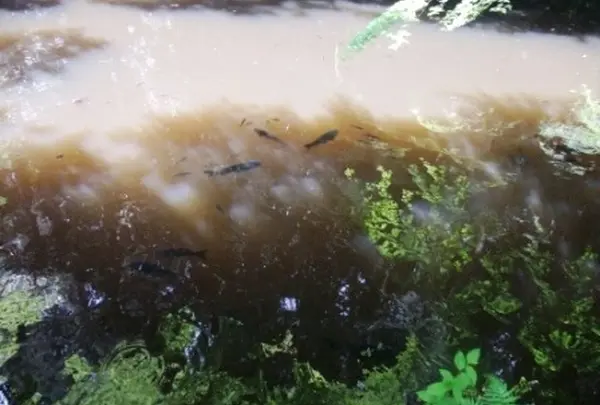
(281,246)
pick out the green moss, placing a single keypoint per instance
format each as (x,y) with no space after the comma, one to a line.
(17,308)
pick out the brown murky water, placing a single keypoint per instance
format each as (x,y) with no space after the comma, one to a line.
(113,116)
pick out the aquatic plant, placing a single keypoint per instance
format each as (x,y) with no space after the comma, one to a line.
(497,276)
(428,225)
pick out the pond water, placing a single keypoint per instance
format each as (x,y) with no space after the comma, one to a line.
(113,118)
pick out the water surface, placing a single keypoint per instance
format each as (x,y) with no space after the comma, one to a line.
(112,115)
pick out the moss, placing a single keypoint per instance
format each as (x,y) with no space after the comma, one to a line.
(17,309)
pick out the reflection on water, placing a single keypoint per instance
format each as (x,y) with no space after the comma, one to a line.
(43,51)
(100,207)
(170,62)
(107,164)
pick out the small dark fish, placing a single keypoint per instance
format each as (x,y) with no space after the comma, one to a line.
(182,174)
(236,168)
(243,122)
(183,159)
(151,269)
(183,252)
(264,134)
(220,208)
(323,139)
(60,156)
(357,127)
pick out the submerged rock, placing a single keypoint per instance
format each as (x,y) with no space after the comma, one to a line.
(18,5)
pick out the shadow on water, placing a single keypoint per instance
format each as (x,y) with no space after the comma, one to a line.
(273,245)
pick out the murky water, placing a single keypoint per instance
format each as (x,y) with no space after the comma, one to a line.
(113,118)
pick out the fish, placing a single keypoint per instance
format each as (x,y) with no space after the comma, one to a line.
(235,168)
(182,174)
(151,269)
(183,252)
(323,139)
(264,134)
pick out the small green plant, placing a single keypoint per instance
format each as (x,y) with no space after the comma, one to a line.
(442,239)
(461,388)
(17,308)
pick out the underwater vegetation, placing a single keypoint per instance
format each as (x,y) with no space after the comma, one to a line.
(486,303)
(457,279)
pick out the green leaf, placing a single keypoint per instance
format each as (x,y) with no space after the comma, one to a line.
(542,359)
(457,393)
(437,390)
(446,375)
(462,381)
(472,374)
(460,360)
(473,357)
(426,397)
(503,304)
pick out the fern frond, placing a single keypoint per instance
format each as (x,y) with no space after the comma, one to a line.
(497,393)
(471,401)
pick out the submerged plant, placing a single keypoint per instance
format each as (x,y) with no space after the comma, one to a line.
(428,225)
(515,286)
